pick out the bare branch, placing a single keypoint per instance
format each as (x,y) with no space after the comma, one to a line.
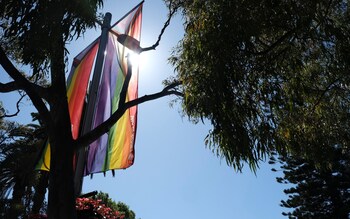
(17,106)
(124,91)
(104,127)
(24,84)
(172,11)
(173,85)
(13,86)
(8,87)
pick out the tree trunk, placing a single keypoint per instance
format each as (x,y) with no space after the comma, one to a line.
(61,203)
(16,206)
(340,210)
(40,191)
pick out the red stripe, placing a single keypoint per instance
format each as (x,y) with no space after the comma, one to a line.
(78,94)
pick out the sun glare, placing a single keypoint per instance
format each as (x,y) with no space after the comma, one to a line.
(134,59)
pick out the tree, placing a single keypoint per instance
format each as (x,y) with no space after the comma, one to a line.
(247,66)
(316,192)
(35,33)
(40,29)
(265,73)
(120,206)
(100,205)
(20,146)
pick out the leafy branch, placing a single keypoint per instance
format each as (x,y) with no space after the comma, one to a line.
(20,82)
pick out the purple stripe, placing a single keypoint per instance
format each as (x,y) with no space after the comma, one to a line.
(98,149)
(114,69)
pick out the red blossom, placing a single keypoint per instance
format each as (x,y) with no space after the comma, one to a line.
(90,208)
(96,207)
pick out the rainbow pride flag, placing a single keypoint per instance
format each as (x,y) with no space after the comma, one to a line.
(115,149)
(77,84)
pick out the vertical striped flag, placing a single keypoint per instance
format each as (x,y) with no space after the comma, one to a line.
(115,149)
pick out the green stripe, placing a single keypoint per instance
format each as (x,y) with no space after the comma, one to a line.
(115,102)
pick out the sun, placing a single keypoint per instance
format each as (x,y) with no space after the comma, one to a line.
(134,59)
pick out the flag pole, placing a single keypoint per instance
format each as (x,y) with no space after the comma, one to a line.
(90,106)
(115,24)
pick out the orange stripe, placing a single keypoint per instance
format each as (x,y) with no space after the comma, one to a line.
(127,142)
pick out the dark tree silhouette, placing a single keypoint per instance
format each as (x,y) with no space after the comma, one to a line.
(19,149)
(35,33)
(316,192)
(265,74)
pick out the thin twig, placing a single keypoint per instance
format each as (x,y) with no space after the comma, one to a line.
(24,84)
(17,106)
(172,11)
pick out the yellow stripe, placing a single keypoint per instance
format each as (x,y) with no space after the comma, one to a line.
(127,142)
(45,159)
(118,143)
(46,163)
(71,85)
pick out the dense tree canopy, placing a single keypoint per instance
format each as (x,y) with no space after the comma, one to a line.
(116,206)
(316,192)
(26,25)
(267,74)
(36,33)
(101,206)
(20,185)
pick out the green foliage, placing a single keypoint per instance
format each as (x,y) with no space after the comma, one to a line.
(90,208)
(120,206)
(35,33)
(19,146)
(316,192)
(29,28)
(267,74)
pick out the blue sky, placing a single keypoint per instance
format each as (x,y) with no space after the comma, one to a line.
(174,174)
